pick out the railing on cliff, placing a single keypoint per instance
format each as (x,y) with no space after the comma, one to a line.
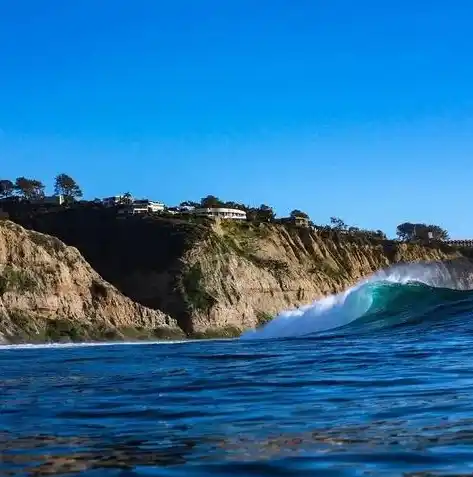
(460,243)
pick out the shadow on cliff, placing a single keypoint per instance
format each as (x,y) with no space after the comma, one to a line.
(141,256)
(145,257)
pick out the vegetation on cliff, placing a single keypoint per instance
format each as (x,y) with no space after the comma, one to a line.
(31,189)
(411,232)
(48,292)
(66,187)
(218,278)
(212,278)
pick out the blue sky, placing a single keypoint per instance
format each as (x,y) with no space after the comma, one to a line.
(362,110)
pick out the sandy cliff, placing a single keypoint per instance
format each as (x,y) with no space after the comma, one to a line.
(239,274)
(213,278)
(48,292)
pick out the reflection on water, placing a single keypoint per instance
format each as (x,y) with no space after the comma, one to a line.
(397,402)
(386,444)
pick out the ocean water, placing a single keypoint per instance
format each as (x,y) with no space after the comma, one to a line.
(375,381)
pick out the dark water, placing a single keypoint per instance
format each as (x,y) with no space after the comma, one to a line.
(367,399)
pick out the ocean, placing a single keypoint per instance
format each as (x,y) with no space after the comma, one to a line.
(374,381)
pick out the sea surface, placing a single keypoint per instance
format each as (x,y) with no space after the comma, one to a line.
(375,381)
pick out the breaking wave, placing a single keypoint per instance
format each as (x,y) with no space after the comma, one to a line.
(391,297)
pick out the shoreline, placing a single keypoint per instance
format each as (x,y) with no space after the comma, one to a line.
(98,344)
(173,281)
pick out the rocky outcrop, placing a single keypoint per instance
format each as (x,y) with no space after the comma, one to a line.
(213,278)
(48,292)
(240,275)
(221,277)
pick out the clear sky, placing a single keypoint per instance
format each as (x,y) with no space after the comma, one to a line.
(358,109)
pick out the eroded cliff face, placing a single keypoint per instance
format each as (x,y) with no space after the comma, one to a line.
(216,278)
(48,292)
(239,274)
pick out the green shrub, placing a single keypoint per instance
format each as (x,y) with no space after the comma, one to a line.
(25,328)
(12,279)
(135,332)
(196,295)
(49,243)
(60,330)
(327,268)
(213,333)
(263,317)
(107,334)
(164,333)
(143,334)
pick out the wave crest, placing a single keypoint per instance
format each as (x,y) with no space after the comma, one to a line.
(401,288)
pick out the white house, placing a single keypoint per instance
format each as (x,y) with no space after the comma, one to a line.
(112,201)
(146,206)
(220,213)
(186,209)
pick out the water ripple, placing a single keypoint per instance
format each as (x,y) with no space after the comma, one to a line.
(390,404)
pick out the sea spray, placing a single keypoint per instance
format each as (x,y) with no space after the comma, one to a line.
(392,290)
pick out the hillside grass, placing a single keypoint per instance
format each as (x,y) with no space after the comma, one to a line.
(16,279)
(28,329)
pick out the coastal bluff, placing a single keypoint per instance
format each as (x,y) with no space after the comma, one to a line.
(49,293)
(211,278)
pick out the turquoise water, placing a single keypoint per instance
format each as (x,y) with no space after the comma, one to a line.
(390,392)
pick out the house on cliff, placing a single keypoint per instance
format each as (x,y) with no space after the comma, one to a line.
(144,206)
(114,200)
(297,221)
(220,213)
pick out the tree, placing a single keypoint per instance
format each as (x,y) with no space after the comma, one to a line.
(298,213)
(211,202)
(338,224)
(408,231)
(126,199)
(252,214)
(366,233)
(66,186)
(29,188)
(6,188)
(438,233)
(189,203)
(265,213)
(381,235)
(405,231)
(374,234)
(236,205)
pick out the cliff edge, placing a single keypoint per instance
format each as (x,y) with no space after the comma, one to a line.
(219,278)
(48,292)
(240,274)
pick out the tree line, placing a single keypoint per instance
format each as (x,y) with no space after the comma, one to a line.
(408,231)
(66,186)
(33,189)
(339,225)
(263,213)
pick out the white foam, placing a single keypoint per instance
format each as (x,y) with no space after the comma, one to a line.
(324,314)
(93,344)
(343,308)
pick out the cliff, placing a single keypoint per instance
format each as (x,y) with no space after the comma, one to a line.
(240,275)
(217,278)
(48,292)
